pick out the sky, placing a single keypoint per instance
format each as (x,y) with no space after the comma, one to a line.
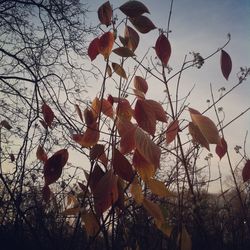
(200,26)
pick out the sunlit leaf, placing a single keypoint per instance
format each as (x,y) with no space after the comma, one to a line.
(157,187)
(133,8)
(163,49)
(93,49)
(48,114)
(140,84)
(5,124)
(96,151)
(153,209)
(118,69)
(91,223)
(41,154)
(221,149)
(142,23)
(79,112)
(225,63)
(106,192)
(147,148)
(122,166)
(158,110)
(136,191)
(172,131)
(106,42)
(124,52)
(131,39)
(246,171)
(105,13)
(54,165)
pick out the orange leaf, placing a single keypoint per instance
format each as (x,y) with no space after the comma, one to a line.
(133,8)
(122,166)
(222,148)
(107,108)
(136,191)
(143,24)
(89,117)
(105,13)
(41,154)
(124,110)
(145,169)
(48,114)
(160,114)
(124,52)
(106,42)
(5,124)
(145,116)
(106,192)
(172,131)
(54,165)
(89,138)
(118,69)
(153,209)
(93,49)
(226,64)
(79,112)
(147,148)
(131,38)
(163,49)
(157,187)
(246,171)
(96,107)
(140,84)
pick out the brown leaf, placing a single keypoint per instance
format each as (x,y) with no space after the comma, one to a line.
(48,114)
(54,165)
(246,171)
(157,187)
(133,8)
(96,151)
(79,112)
(106,42)
(124,110)
(136,191)
(94,177)
(96,107)
(127,142)
(163,49)
(131,39)
(158,110)
(91,223)
(222,148)
(225,63)
(172,131)
(140,84)
(93,49)
(107,108)
(41,154)
(5,124)
(124,52)
(105,13)
(89,117)
(118,69)
(142,23)
(122,166)
(71,211)
(184,239)
(109,71)
(153,209)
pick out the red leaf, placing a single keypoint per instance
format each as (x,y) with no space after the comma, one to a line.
(105,13)
(131,38)
(48,114)
(89,117)
(54,165)
(127,142)
(124,52)
(226,64)
(124,110)
(145,116)
(122,167)
(41,154)
(133,8)
(107,108)
(246,171)
(159,112)
(163,49)
(143,24)
(140,84)
(221,149)
(93,50)
(106,42)
(172,131)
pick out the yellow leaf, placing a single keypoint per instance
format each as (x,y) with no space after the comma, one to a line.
(157,187)
(136,191)
(91,223)
(154,210)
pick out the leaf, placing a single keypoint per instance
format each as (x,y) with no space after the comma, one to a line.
(145,169)
(147,148)
(153,209)
(222,148)
(172,131)
(12,157)
(48,114)
(119,70)
(54,165)
(107,108)
(143,24)
(186,242)
(140,84)
(46,193)
(96,151)
(157,187)
(136,191)
(106,42)
(94,177)
(197,135)
(206,126)
(91,223)
(139,94)
(93,49)
(131,39)
(163,49)
(158,110)
(246,171)
(79,112)
(41,154)
(96,107)
(5,124)
(122,166)
(133,8)
(105,193)
(105,13)
(145,116)
(127,142)
(124,110)
(89,117)
(225,63)
(124,52)
(89,138)
(71,211)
